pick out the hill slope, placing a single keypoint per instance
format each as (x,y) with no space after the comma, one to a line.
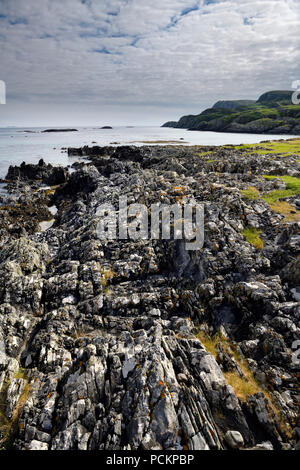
(142,344)
(272,113)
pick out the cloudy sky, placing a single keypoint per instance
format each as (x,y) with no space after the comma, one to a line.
(72,62)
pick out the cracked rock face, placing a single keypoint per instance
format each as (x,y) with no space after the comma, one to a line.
(113,344)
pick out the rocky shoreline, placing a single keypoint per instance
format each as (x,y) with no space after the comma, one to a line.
(141,344)
(273,113)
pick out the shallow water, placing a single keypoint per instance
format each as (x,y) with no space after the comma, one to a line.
(17,146)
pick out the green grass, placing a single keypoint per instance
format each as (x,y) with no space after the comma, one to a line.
(273,197)
(291,182)
(8,428)
(286,147)
(250,193)
(202,154)
(259,113)
(251,235)
(283,207)
(242,386)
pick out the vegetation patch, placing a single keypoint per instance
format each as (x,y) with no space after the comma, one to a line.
(202,154)
(291,182)
(252,236)
(242,386)
(273,199)
(106,276)
(287,210)
(282,147)
(283,207)
(272,112)
(250,193)
(8,428)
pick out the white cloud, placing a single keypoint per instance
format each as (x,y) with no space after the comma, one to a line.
(177,53)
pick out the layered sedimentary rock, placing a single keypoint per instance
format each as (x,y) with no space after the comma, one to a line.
(141,344)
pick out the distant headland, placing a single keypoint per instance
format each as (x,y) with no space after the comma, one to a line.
(272,113)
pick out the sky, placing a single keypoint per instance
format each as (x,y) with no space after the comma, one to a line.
(141,62)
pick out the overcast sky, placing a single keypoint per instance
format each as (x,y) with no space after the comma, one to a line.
(87,62)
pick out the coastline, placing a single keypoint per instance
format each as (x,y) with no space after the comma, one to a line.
(117,343)
(16,146)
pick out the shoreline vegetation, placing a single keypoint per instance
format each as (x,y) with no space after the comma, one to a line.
(272,113)
(139,344)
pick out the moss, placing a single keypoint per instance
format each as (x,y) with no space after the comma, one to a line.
(20,374)
(242,387)
(107,276)
(291,182)
(287,210)
(250,193)
(282,207)
(252,236)
(284,147)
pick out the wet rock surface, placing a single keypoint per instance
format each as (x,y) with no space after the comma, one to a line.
(125,344)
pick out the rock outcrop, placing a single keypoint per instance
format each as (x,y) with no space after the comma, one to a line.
(272,113)
(123,344)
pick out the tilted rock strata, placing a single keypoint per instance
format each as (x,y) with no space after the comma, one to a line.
(99,345)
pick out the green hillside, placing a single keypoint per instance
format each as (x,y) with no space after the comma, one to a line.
(272,113)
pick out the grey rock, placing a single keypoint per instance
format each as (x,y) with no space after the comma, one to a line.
(234,439)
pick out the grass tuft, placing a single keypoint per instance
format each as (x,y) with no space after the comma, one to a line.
(250,193)
(242,386)
(8,428)
(282,207)
(283,148)
(252,236)
(107,276)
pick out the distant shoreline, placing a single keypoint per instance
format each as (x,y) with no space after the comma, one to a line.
(273,113)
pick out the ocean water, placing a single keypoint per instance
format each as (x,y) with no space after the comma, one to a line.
(18,145)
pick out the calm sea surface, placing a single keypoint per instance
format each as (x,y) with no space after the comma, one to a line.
(17,145)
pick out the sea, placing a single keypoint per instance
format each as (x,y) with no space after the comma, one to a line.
(31,144)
